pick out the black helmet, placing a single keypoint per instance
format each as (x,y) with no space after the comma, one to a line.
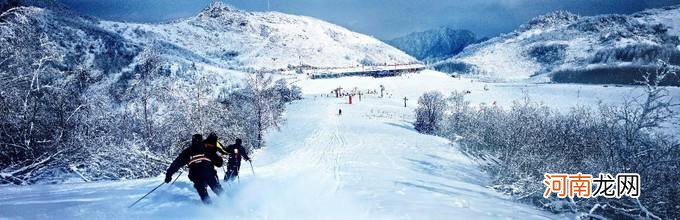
(196,138)
(238,141)
(212,138)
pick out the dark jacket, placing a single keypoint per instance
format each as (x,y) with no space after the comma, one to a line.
(236,152)
(200,159)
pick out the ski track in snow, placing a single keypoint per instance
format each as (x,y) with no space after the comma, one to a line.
(368,163)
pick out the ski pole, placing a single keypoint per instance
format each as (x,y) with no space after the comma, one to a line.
(154,189)
(251,167)
(226,175)
(140,199)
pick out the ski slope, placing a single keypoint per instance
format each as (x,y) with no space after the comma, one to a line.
(367,163)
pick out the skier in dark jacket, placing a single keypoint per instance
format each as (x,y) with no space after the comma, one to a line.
(236,151)
(200,159)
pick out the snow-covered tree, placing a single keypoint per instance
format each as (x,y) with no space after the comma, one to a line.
(257,107)
(287,92)
(522,142)
(456,119)
(142,92)
(430,112)
(35,107)
(267,104)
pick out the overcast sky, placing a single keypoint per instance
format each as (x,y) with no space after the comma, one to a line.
(384,19)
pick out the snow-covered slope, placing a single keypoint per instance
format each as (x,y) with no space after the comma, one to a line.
(435,44)
(263,40)
(564,46)
(368,163)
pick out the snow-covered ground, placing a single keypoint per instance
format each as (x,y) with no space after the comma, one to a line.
(411,86)
(367,163)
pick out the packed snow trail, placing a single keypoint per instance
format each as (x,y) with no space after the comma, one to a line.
(373,156)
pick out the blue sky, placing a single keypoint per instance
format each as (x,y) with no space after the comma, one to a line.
(384,19)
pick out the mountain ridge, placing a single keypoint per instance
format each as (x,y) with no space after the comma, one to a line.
(263,40)
(434,44)
(562,47)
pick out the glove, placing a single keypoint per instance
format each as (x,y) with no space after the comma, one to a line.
(168,178)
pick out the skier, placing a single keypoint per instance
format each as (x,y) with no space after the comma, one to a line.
(236,151)
(339,111)
(201,161)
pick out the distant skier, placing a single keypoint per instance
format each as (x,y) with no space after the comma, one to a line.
(236,151)
(339,111)
(201,159)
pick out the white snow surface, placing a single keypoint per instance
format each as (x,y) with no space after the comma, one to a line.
(368,163)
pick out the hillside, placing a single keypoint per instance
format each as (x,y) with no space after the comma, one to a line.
(238,39)
(565,47)
(28,31)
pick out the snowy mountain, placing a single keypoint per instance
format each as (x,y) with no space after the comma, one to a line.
(564,47)
(435,44)
(263,40)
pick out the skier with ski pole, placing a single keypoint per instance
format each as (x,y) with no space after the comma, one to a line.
(236,152)
(201,158)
